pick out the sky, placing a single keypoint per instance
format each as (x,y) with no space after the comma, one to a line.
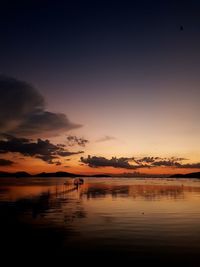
(100,87)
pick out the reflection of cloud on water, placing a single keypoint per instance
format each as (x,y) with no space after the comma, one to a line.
(42,224)
(54,207)
(146,192)
(152,192)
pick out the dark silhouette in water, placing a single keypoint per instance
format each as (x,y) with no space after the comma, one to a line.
(78,181)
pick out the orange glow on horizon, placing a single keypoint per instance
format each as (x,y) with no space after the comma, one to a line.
(34,166)
(33,169)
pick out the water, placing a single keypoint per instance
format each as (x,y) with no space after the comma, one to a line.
(143,221)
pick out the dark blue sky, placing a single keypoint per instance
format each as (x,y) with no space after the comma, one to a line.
(80,37)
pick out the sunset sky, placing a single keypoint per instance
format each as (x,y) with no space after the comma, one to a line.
(113,87)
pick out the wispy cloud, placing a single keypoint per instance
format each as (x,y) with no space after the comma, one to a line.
(106,138)
(73,140)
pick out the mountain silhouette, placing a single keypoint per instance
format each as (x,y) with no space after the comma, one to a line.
(188,175)
(47,174)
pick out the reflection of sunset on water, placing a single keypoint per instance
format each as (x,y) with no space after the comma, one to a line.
(111,214)
(133,188)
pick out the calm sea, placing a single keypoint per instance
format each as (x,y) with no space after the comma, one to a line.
(141,221)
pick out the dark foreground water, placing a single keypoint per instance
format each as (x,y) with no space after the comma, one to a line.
(142,221)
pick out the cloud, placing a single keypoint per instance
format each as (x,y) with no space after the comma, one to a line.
(144,162)
(176,164)
(41,149)
(6,162)
(165,163)
(114,162)
(159,161)
(73,140)
(23,111)
(106,138)
(58,163)
(68,153)
(190,166)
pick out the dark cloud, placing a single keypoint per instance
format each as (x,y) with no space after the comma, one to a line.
(165,163)
(23,111)
(42,149)
(176,164)
(190,166)
(73,140)
(159,161)
(6,162)
(114,162)
(68,153)
(144,162)
(106,138)
(58,163)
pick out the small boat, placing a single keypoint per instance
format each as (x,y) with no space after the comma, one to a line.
(78,181)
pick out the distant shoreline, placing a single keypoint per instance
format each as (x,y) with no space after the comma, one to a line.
(23,174)
(47,174)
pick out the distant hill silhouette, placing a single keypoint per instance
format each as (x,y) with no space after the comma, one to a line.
(47,174)
(188,175)
(71,175)
(56,174)
(15,174)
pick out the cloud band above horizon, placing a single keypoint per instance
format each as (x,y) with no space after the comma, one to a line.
(137,163)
